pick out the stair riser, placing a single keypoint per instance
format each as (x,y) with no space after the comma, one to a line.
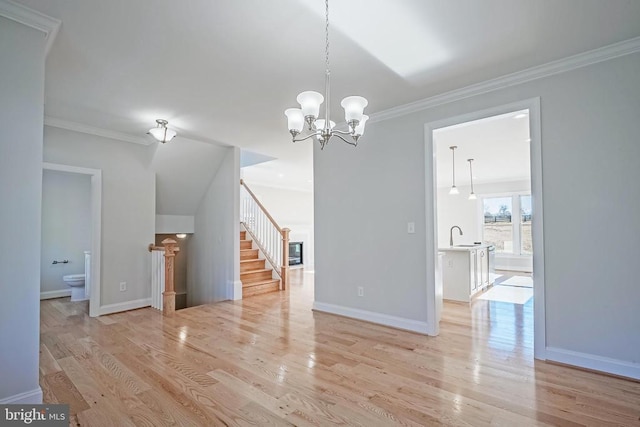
(260,289)
(257,264)
(243,235)
(249,254)
(255,276)
(245,244)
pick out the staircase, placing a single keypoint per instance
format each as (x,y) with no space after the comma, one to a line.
(256,278)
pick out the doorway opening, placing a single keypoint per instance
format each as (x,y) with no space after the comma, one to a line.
(484,215)
(95,207)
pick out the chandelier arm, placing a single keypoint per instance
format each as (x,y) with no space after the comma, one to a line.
(341,132)
(316,133)
(355,144)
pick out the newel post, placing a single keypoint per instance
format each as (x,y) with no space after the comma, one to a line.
(284,270)
(169,294)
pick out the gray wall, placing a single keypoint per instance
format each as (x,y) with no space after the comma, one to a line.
(591,196)
(128,207)
(214,248)
(66,228)
(21,121)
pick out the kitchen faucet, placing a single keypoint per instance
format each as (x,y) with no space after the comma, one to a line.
(451,234)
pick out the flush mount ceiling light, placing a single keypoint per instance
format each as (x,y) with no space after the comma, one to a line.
(454,189)
(310,102)
(472,195)
(181,235)
(161,132)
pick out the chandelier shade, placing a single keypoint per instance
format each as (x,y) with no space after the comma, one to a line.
(310,103)
(353,108)
(309,111)
(296,119)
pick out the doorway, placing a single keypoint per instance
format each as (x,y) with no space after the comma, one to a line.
(528,110)
(96,229)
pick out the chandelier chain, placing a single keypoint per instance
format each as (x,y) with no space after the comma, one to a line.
(326,34)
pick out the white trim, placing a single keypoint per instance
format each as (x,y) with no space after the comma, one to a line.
(91,130)
(33,397)
(125,306)
(55,294)
(555,67)
(96,228)
(32,18)
(533,105)
(594,362)
(373,317)
(236,286)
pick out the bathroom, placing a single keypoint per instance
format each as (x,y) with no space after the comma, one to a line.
(66,235)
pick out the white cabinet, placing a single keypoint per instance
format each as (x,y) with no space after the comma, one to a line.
(465,272)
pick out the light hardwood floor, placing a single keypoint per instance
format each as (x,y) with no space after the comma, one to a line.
(270,360)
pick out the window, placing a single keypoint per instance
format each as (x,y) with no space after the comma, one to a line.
(526,245)
(498,228)
(506,223)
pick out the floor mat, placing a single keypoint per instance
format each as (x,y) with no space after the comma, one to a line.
(515,295)
(522,281)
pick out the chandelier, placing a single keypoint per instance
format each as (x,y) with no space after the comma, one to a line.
(161,132)
(323,129)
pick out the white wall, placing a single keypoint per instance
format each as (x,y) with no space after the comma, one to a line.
(128,210)
(590,175)
(66,229)
(172,224)
(22,50)
(214,249)
(291,209)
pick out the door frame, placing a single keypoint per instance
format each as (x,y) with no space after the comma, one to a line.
(533,105)
(96,227)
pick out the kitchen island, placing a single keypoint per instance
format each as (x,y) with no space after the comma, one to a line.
(465,271)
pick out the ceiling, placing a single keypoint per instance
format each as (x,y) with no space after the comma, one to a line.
(499,147)
(223,71)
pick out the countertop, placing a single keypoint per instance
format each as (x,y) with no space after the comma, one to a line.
(464,248)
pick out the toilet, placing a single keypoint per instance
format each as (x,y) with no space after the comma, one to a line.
(76,283)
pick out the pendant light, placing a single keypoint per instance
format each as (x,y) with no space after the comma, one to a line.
(472,195)
(454,189)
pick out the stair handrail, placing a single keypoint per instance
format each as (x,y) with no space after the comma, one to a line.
(277,253)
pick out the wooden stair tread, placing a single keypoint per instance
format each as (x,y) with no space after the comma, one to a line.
(251,260)
(259,270)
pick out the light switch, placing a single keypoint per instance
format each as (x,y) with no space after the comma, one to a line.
(411,227)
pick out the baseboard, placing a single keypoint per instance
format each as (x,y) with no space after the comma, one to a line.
(373,317)
(33,397)
(124,306)
(593,362)
(61,293)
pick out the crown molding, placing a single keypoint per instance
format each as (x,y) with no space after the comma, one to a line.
(91,130)
(32,18)
(555,67)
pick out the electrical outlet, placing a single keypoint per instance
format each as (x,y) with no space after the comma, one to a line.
(360,291)
(123,286)
(411,227)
